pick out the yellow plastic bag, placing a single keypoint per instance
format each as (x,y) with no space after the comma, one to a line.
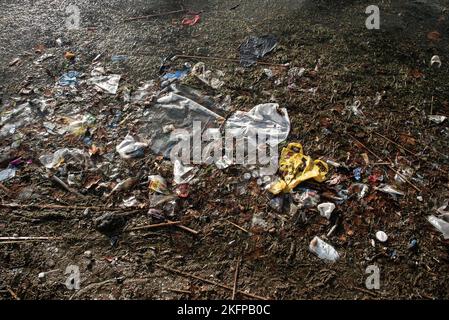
(295,168)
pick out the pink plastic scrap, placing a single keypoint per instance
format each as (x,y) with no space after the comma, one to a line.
(191,22)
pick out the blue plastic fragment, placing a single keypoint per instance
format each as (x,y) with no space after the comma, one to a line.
(69,79)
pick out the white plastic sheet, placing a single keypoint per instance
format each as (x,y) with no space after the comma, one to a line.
(440,225)
(7,174)
(177,108)
(326,209)
(264,119)
(12,120)
(183,173)
(106,83)
(130,148)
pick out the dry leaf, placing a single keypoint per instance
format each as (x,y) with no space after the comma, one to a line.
(415,73)
(434,36)
(406,139)
(39,48)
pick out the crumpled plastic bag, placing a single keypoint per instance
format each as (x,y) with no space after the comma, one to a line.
(295,168)
(79,127)
(326,209)
(437,119)
(12,120)
(146,91)
(157,184)
(130,148)
(263,127)
(323,250)
(106,83)
(444,209)
(63,156)
(307,198)
(440,225)
(182,173)
(209,77)
(385,188)
(7,174)
(191,21)
(69,79)
(256,47)
(178,107)
(264,119)
(178,74)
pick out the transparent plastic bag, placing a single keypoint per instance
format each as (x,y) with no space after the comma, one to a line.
(256,47)
(440,225)
(76,156)
(129,148)
(106,83)
(264,119)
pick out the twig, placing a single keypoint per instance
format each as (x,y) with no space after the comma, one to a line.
(18,242)
(185,228)
(236,277)
(155,15)
(388,166)
(365,291)
(7,191)
(158,225)
(188,275)
(28,238)
(13,240)
(13,294)
(228,60)
(238,227)
(431,106)
(55,206)
(92,285)
(64,185)
(180,291)
(396,144)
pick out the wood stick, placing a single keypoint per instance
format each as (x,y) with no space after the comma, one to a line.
(158,225)
(28,238)
(365,291)
(188,275)
(388,166)
(56,206)
(7,191)
(180,291)
(238,227)
(13,294)
(396,144)
(90,286)
(228,60)
(155,15)
(236,277)
(185,228)
(64,185)
(18,242)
